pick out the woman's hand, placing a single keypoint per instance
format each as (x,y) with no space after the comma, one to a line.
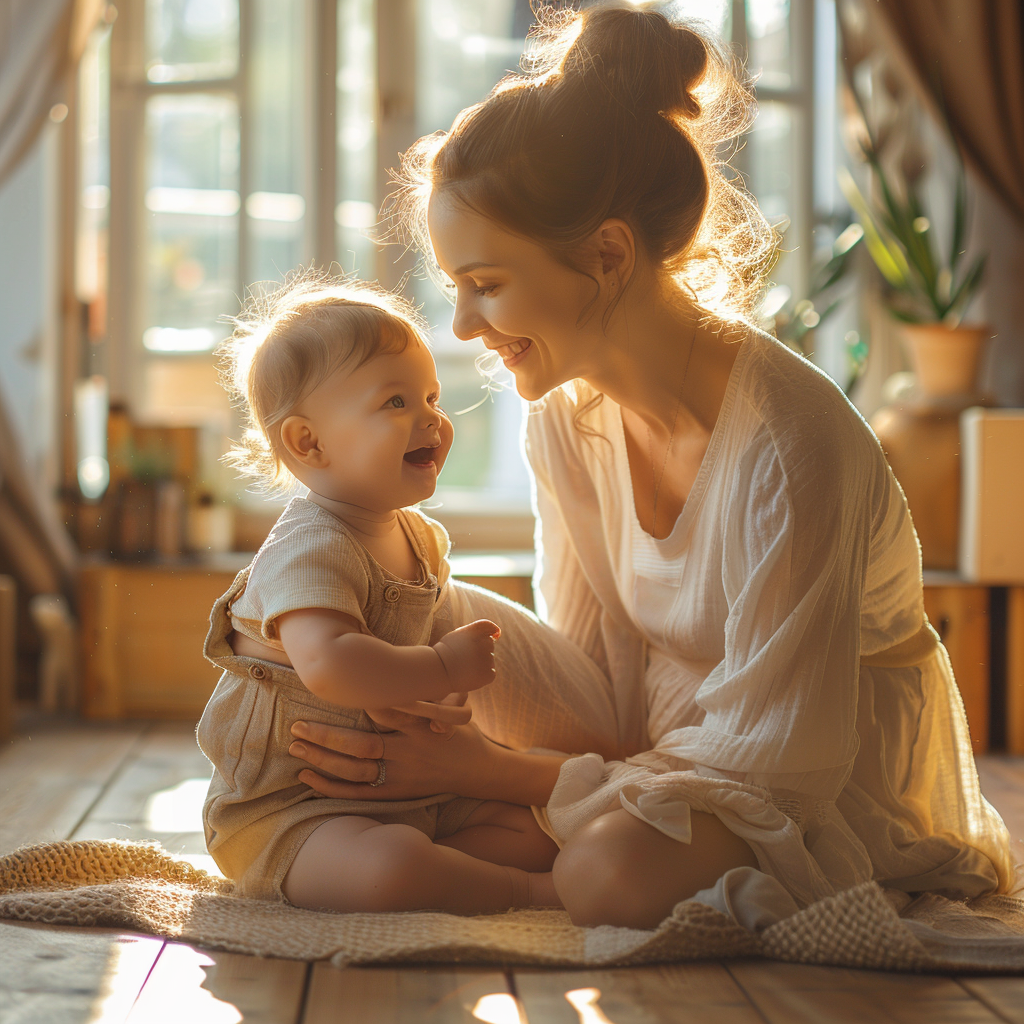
(443,715)
(419,762)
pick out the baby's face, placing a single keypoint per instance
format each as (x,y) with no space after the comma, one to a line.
(382,429)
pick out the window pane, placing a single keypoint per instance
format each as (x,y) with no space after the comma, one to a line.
(715,13)
(464,48)
(191,39)
(94,178)
(771,148)
(768,32)
(356,209)
(191,226)
(275,206)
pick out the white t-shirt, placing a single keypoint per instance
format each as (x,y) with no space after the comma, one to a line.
(751,651)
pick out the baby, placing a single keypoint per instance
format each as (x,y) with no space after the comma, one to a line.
(345,608)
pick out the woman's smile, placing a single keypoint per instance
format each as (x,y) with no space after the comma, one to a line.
(514,352)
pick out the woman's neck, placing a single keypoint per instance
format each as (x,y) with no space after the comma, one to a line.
(664,361)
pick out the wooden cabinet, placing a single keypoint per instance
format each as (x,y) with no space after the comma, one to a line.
(1015,670)
(142,628)
(143,625)
(961,614)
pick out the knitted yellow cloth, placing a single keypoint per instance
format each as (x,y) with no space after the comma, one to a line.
(139,887)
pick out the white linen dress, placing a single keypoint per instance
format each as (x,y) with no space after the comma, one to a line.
(769,660)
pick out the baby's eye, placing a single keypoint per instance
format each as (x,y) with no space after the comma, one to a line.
(395,402)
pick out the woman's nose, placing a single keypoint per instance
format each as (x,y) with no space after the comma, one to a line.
(467,323)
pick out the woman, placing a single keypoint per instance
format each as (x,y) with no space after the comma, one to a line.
(718,529)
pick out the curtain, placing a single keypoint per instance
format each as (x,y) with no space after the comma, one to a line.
(969,56)
(40,44)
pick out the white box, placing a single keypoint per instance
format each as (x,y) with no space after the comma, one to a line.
(992,495)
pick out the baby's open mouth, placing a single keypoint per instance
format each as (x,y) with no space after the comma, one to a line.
(421,456)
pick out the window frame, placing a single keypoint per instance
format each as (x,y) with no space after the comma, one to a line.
(395,129)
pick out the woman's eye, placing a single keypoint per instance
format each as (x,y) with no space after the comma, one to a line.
(395,402)
(486,289)
(434,399)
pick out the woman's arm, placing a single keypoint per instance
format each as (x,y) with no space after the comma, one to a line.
(420,762)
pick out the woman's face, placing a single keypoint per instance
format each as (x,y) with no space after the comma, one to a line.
(513,295)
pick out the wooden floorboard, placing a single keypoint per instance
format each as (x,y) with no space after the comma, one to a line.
(51,775)
(1004,996)
(157,794)
(426,995)
(703,992)
(784,993)
(70,975)
(147,781)
(191,986)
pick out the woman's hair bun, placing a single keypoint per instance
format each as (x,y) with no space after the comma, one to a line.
(621,112)
(646,62)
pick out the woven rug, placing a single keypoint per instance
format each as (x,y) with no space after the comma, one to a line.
(138,887)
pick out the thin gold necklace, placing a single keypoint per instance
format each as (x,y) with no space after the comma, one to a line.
(671,437)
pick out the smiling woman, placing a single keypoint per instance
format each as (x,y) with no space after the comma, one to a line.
(718,529)
(515,299)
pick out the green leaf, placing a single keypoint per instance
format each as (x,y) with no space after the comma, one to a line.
(889,259)
(964,293)
(959,217)
(905,316)
(901,217)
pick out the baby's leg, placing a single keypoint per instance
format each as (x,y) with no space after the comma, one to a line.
(505,834)
(354,864)
(508,834)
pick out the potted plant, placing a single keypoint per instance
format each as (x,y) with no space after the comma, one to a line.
(928,285)
(927,288)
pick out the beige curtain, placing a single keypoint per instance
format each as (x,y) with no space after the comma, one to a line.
(40,44)
(969,55)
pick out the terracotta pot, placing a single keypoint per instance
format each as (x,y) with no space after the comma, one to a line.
(946,360)
(921,433)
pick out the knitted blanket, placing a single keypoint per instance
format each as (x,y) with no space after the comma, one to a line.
(138,887)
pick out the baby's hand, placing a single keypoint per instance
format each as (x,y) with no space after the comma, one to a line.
(467,654)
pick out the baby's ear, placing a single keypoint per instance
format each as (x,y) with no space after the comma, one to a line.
(299,440)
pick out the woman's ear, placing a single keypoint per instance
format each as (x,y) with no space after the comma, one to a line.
(299,440)
(616,247)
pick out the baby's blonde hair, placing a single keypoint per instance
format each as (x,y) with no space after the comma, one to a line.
(288,341)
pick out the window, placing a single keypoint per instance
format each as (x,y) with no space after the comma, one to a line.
(247,138)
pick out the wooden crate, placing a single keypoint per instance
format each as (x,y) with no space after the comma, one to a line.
(960,612)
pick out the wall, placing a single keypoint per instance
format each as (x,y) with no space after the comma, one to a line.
(1001,302)
(28,290)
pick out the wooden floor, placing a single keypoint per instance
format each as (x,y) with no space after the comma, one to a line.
(147,781)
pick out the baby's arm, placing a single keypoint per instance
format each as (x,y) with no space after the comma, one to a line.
(339,663)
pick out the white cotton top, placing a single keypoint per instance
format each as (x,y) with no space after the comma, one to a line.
(747,650)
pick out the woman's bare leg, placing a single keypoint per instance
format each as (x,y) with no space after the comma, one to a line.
(354,864)
(547,693)
(619,870)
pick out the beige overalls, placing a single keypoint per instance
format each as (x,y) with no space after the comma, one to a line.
(257,812)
